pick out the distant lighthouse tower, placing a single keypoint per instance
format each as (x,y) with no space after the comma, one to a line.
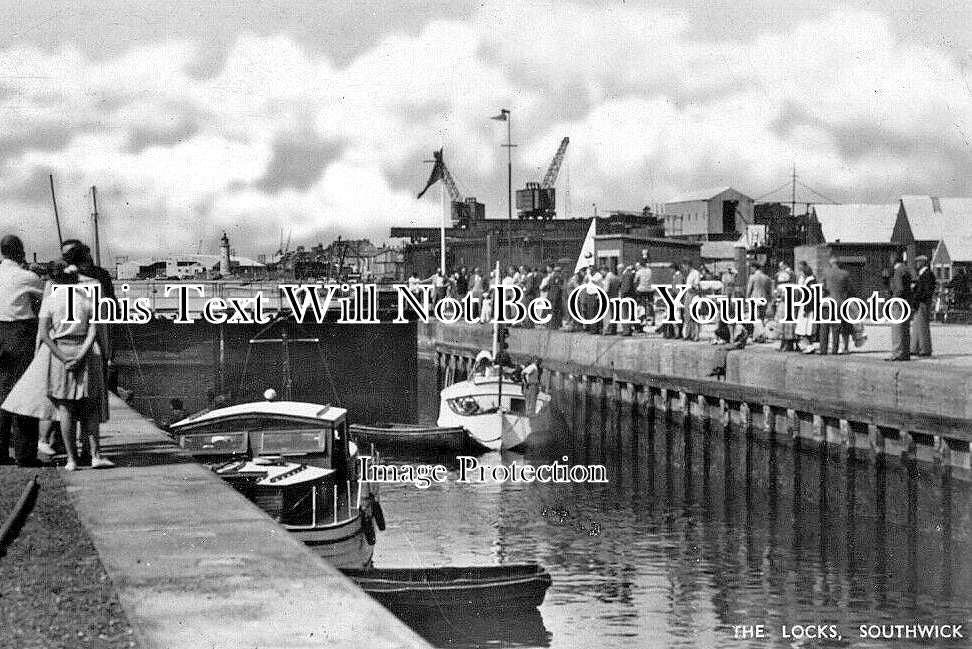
(224,258)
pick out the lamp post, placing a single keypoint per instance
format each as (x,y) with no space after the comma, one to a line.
(504,116)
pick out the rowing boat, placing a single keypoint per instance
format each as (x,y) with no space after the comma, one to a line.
(433,589)
(394,437)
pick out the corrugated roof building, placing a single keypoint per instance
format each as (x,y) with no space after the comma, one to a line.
(716,214)
(935,219)
(862,223)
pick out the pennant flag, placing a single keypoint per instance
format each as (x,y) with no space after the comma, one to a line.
(436,172)
(502,117)
(586,257)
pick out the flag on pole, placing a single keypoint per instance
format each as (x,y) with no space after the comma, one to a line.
(436,174)
(503,116)
(586,257)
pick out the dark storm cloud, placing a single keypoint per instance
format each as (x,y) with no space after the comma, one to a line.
(41,138)
(652,108)
(297,164)
(180,125)
(36,188)
(103,29)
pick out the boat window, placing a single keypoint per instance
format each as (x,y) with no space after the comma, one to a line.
(294,440)
(229,426)
(517,406)
(228,442)
(473,405)
(466,406)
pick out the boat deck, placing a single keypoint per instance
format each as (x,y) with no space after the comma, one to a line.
(197,565)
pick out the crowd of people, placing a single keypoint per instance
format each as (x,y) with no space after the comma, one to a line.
(551,283)
(53,358)
(53,368)
(636,280)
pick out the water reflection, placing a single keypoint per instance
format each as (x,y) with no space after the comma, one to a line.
(699,530)
(456,628)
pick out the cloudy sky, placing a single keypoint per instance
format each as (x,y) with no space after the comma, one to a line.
(314,118)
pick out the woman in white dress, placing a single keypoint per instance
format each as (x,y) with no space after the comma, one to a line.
(66,377)
(804,323)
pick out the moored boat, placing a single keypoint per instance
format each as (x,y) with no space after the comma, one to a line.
(494,410)
(479,588)
(410,436)
(320,500)
(499,412)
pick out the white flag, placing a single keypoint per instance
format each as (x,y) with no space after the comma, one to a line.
(586,257)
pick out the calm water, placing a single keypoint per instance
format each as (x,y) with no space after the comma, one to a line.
(687,547)
(690,542)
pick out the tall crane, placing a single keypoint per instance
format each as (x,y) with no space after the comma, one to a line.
(464,210)
(539,200)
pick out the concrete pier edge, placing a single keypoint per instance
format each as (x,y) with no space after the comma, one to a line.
(195,564)
(917,411)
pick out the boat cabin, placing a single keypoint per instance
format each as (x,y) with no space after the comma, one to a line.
(480,396)
(268,428)
(297,495)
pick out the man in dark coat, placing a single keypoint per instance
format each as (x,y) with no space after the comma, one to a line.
(531,291)
(462,283)
(959,288)
(627,289)
(612,286)
(835,338)
(555,295)
(924,293)
(900,285)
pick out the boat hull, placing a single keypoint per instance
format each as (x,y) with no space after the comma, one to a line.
(489,588)
(496,429)
(404,436)
(343,545)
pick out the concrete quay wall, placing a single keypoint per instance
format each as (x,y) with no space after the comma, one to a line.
(920,410)
(197,565)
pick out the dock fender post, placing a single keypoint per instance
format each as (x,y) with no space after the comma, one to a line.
(725,415)
(702,409)
(378,513)
(368,527)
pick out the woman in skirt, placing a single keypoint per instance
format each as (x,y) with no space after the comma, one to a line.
(805,322)
(66,378)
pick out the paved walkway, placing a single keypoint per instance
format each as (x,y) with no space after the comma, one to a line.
(951,345)
(197,566)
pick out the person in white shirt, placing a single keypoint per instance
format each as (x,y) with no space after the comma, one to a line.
(439,283)
(530,376)
(691,329)
(545,282)
(414,283)
(643,289)
(20,297)
(477,284)
(66,373)
(592,282)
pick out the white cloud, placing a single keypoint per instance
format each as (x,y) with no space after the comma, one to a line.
(652,109)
